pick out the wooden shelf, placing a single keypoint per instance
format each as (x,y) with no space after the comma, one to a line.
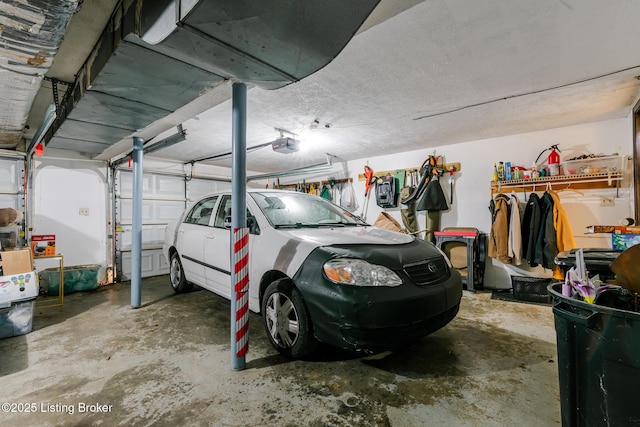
(456,167)
(316,184)
(560,182)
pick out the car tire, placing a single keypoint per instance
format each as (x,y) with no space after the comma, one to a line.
(177,278)
(286,320)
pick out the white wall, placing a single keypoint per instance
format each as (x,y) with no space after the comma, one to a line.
(472,191)
(62,187)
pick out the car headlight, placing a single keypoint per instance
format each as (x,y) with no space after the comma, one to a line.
(446,258)
(357,272)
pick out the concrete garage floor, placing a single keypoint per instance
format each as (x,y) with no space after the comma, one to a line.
(168,363)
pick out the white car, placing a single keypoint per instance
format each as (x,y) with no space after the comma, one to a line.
(317,272)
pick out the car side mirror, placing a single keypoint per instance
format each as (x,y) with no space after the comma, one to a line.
(252,224)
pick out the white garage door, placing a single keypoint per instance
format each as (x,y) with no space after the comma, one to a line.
(12,182)
(165,197)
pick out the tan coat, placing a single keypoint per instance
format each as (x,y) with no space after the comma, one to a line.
(499,236)
(564,234)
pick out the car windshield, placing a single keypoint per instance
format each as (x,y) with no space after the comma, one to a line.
(297,210)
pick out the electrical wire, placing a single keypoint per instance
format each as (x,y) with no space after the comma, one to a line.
(492,101)
(227,154)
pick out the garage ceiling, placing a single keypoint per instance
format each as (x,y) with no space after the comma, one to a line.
(419,74)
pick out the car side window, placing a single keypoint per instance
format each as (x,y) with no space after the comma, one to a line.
(224,211)
(201,211)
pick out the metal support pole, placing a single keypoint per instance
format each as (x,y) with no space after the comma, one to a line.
(136,223)
(240,235)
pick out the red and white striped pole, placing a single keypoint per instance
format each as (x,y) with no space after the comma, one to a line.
(241,288)
(239,250)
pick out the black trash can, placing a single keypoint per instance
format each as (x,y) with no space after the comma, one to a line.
(596,260)
(598,362)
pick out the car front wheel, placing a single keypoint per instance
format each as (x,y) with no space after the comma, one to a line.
(286,320)
(176,275)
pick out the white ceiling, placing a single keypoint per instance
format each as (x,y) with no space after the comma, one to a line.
(438,73)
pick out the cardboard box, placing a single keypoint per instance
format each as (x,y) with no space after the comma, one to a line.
(15,261)
(43,245)
(17,287)
(605,229)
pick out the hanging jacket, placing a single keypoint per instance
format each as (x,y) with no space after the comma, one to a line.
(546,247)
(564,234)
(530,227)
(515,232)
(499,236)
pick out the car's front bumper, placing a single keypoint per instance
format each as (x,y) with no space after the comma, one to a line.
(375,318)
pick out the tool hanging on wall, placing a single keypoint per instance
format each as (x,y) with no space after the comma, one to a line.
(369,181)
(428,170)
(386,192)
(400,175)
(431,198)
(408,210)
(451,180)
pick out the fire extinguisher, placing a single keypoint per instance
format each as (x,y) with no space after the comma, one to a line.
(554,161)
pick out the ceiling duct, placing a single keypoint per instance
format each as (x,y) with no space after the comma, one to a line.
(156,57)
(269,43)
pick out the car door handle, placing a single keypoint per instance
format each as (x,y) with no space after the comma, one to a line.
(209,236)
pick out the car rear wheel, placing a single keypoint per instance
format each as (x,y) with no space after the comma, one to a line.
(286,320)
(176,275)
